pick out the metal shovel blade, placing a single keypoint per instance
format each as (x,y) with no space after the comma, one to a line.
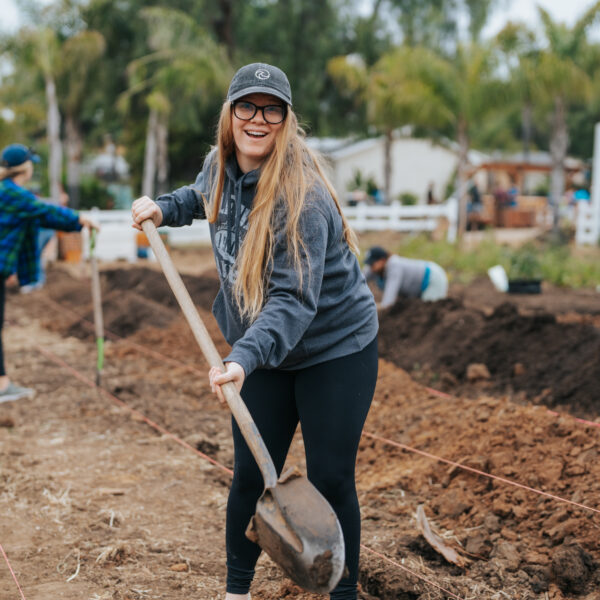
(298,529)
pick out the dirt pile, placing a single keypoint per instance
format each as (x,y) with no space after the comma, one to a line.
(551,362)
(521,544)
(132,299)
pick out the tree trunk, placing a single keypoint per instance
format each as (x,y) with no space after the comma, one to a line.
(53,133)
(387,174)
(162,156)
(224,26)
(527,125)
(150,154)
(559,143)
(463,163)
(74,145)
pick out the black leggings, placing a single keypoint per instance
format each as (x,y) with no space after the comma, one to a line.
(331,400)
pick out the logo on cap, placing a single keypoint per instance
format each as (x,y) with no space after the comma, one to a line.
(262,74)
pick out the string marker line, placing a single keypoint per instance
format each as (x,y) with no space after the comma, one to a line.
(477,471)
(12,572)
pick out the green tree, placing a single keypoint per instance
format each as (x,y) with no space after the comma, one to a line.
(394,91)
(184,67)
(78,57)
(562,83)
(468,89)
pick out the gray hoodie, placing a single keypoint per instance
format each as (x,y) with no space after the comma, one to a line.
(330,315)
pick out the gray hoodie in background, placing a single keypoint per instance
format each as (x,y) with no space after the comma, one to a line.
(334,313)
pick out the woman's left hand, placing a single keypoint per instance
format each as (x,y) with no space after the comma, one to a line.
(234,372)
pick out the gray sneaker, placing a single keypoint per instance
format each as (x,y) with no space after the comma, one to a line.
(15,392)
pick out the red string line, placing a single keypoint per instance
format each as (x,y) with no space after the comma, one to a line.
(401,566)
(92,384)
(12,572)
(174,361)
(138,414)
(147,350)
(477,471)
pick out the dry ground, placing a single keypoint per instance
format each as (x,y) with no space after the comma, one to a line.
(96,504)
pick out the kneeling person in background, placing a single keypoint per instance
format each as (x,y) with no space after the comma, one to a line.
(399,276)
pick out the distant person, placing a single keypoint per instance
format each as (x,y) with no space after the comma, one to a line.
(21,216)
(581,194)
(377,195)
(45,236)
(501,204)
(474,208)
(431,199)
(513,194)
(399,276)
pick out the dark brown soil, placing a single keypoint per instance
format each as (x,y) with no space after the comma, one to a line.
(557,363)
(94,504)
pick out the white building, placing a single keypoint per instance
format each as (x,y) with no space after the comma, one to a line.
(415,164)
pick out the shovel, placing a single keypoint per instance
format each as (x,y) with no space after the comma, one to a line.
(294,524)
(97,301)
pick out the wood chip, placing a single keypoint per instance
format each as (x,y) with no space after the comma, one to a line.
(436,542)
(111,492)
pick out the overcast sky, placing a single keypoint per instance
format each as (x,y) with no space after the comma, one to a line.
(515,10)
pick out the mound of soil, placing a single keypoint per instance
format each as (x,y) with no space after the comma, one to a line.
(549,361)
(152,284)
(84,497)
(132,299)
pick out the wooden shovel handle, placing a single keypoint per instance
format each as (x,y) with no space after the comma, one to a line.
(97,301)
(236,404)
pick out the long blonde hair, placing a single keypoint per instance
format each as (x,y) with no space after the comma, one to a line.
(290,171)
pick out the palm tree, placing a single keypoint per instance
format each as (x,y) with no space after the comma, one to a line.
(77,58)
(518,46)
(393,91)
(184,69)
(469,90)
(561,83)
(38,50)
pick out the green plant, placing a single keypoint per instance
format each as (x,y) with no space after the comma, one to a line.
(557,264)
(525,263)
(542,188)
(371,186)
(94,193)
(357,182)
(408,198)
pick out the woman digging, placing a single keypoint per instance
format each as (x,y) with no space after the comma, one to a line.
(292,303)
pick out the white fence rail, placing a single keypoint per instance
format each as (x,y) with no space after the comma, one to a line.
(397,217)
(588,224)
(117,238)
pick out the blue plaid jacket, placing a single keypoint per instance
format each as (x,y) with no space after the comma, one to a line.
(21,216)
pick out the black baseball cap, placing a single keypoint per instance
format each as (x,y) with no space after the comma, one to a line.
(260,78)
(374,254)
(16,154)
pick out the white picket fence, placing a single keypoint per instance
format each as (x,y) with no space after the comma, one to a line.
(588,224)
(397,217)
(117,238)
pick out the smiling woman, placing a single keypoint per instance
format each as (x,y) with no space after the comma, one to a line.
(293,304)
(258,118)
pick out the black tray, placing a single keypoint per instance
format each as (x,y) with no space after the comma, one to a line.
(524,286)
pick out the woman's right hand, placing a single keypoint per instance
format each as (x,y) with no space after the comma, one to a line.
(145,208)
(233,372)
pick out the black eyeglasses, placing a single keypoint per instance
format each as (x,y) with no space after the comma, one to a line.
(272,113)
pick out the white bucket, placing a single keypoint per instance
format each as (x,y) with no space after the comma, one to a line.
(499,278)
